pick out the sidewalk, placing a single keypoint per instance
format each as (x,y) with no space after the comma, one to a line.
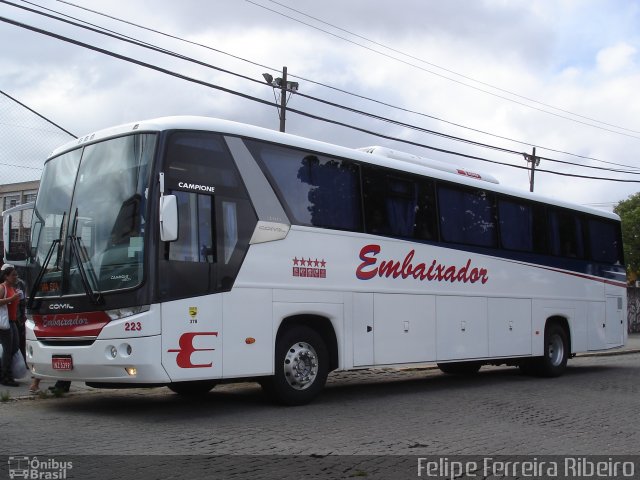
(22,391)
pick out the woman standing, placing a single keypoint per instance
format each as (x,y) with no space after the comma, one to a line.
(9,338)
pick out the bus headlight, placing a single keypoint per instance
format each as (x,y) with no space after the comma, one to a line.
(113,351)
(131,371)
(119,313)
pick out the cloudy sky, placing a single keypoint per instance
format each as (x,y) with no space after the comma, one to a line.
(562,75)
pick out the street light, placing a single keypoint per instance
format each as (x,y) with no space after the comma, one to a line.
(284,86)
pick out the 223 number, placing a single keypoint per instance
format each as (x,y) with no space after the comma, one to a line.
(132,327)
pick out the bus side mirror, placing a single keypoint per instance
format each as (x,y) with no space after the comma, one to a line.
(6,234)
(168,218)
(17,258)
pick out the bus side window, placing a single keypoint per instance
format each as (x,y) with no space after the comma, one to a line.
(467,216)
(605,243)
(566,236)
(398,205)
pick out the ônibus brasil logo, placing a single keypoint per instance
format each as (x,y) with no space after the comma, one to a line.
(38,468)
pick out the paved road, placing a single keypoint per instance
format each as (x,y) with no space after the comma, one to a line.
(593,409)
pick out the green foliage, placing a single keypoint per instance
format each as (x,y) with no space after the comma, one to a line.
(5,396)
(629,211)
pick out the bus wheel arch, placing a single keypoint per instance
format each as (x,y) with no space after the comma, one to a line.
(322,325)
(305,353)
(556,349)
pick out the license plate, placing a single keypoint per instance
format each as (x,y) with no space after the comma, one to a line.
(62,362)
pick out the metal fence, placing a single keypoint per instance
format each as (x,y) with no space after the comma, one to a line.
(26,139)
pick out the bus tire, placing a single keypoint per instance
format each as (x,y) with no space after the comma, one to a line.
(301,367)
(460,368)
(192,388)
(553,362)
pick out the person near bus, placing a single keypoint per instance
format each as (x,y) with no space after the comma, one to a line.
(9,338)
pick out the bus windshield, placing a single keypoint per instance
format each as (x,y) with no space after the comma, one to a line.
(89,218)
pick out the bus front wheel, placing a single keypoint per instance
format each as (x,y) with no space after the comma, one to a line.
(301,367)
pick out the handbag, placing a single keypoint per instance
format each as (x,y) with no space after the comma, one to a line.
(4,314)
(18,367)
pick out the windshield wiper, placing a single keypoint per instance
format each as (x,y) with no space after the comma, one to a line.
(47,259)
(80,253)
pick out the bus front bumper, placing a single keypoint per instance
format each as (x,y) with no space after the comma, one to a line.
(128,360)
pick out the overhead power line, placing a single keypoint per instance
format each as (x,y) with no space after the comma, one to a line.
(174,37)
(38,114)
(408,55)
(150,46)
(452,79)
(132,40)
(299,112)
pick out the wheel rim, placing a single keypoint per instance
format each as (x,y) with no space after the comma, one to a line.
(301,365)
(556,350)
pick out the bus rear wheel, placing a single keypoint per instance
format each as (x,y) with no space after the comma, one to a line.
(301,367)
(193,388)
(556,352)
(553,362)
(460,368)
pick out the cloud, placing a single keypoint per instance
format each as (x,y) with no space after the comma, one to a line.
(615,58)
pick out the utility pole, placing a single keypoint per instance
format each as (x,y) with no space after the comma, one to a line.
(284,86)
(535,161)
(283,98)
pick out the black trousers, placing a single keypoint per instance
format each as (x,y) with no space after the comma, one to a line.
(9,340)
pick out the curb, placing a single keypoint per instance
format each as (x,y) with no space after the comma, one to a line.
(609,353)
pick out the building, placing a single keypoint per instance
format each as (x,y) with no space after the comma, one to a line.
(11,195)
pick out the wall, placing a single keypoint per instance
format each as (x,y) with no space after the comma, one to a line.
(633,309)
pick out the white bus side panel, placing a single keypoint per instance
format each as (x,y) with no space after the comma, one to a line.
(596,332)
(401,318)
(462,327)
(615,324)
(509,326)
(248,332)
(404,328)
(192,333)
(362,330)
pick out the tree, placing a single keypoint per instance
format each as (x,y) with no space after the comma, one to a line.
(629,212)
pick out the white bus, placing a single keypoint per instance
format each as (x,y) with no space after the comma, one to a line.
(187,251)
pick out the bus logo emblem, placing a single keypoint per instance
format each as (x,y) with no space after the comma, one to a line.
(193,312)
(183,359)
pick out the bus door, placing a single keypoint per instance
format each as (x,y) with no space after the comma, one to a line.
(615,324)
(215,224)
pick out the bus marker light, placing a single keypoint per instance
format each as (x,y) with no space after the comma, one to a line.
(249,340)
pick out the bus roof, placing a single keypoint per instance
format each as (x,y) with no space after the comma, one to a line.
(244,130)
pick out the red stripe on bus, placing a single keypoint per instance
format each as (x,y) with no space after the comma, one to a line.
(85,324)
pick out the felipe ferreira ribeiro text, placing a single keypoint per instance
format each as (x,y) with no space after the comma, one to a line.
(536,468)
